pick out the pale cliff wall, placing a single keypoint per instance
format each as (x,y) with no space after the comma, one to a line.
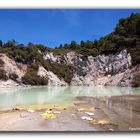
(100,70)
(111,70)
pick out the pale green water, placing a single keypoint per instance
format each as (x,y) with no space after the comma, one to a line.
(11,97)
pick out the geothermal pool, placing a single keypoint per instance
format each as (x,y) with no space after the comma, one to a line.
(12,97)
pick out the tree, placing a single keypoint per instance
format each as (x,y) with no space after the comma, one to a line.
(89,44)
(82,44)
(73,45)
(66,46)
(13,76)
(95,43)
(1,43)
(3,75)
(10,43)
(41,47)
(60,46)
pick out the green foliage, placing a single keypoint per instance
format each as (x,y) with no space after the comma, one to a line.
(87,52)
(1,63)
(82,44)
(129,26)
(19,54)
(1,43)
(136,81)
(61,70)
(85,48)
(10,43)
(125,36)
(73,45)
(32,78)
(13,76)
(3,75)
(60,51)
(23,54)
(135,53)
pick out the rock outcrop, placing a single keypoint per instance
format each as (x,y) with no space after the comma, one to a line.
(104,70)
(99,70)
(8,83)
(10,66)
(53,80)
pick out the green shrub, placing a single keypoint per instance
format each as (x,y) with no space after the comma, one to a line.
(125,36)
(3,75)
(86,52)
(61,70)
(136,81)
(13,76)
(135,53)
(31,77)
(60,51)
(1,63)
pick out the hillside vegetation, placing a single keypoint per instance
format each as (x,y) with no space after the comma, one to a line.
(126,35)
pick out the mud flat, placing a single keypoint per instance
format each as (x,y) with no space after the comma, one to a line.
(116,113)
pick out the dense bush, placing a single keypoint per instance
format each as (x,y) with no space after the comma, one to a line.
(24,54)
(32,78)
(1,63)
(60,51)
(61,70)
(136,81)
(126,35)
(135,53)
(3,75)
(13,76)
(129,26)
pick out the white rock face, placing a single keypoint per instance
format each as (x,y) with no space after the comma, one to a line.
(10,66)
(53,80)
(70,57)
(87,80)
(95,69)
(126,81)
(111,81)
(50,56)
(8,83)
(110,70)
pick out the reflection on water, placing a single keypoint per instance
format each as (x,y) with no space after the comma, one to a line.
(10,97)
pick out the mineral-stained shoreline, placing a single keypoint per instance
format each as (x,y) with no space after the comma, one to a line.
(115,113)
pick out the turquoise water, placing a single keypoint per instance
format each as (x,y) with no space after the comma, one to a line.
(11,97)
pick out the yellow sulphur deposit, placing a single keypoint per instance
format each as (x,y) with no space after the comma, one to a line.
(87,109)
(48,115)
(103,121)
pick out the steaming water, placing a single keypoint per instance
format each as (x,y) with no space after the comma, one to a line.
(11,97)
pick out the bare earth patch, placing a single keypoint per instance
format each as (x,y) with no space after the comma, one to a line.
(118,113)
